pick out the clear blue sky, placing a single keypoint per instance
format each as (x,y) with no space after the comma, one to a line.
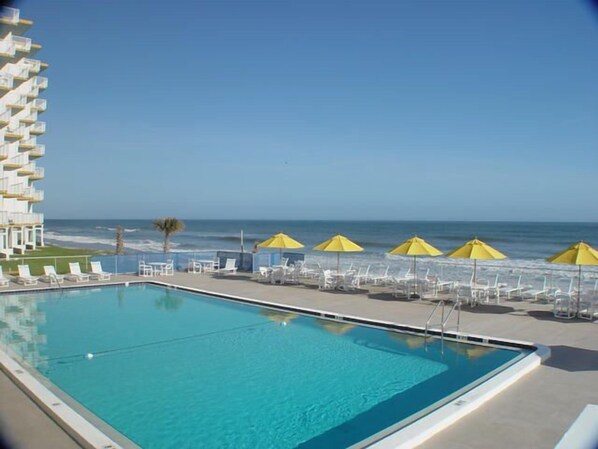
(329,109)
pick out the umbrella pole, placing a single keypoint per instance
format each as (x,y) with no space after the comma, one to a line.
(338,263)
(414,295)
(578,289)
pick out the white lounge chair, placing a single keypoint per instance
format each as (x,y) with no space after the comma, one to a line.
(3,280)
(536,292)
(75,274)
(25,277)
(264,274)
(510,290)
(229,267)
(145,270)
(50,275)
(98,273)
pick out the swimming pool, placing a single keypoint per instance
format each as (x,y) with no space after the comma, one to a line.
(171,368)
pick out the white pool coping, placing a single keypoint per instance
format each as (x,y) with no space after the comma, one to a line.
(410,436)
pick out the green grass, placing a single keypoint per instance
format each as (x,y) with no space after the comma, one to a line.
(57,256)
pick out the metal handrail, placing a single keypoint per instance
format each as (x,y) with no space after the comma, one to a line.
(438,304)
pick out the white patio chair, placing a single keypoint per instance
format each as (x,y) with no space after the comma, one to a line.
(145,270)
(4,282)
(348,282)
(588,306)
(534,293)
(25,277)
(263,275)
(284,261)
(97,272)
(510,290)
(363,277)
(382,278)
(194,266)
(229,267)
(564,307)
(75,273)
(50,275)
(168,269)
(326,281)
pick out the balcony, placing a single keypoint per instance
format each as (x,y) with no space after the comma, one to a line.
(16,218)
(6,81)
(22,43)
(38,150)
(5,117)
(15,133)
(27,144)
(37,128)
(9,15)
(33,65)
(27,169)
(39,104)
(4,151)
(40,82)
(29,118)
(16,161)
(32,195)
(38,174)
(3,185)
(17,102)
(14,191)
(7,48)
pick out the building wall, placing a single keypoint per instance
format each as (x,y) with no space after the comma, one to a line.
(20,130)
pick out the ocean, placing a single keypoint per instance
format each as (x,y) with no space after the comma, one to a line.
(527,245)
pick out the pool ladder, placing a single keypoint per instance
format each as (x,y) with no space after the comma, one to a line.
(55,282)
(444,318)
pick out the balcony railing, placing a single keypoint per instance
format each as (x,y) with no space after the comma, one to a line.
(28,143)
(5,116)
(38,173)
(40,81)
(33,65)
(9,15)
(33,194)
(7,48)
(15,190)
(38,150)
(27,169)
(39,104)
(17,102)
(22,43)
(6,80)
(16,161)
(17,131)
(37,128)
(17,218)
(31,117)
(3,185)
(4,151)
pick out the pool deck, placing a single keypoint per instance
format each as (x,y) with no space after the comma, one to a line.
(533,413)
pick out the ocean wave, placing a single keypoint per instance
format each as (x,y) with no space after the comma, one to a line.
(106,228)
(146,245)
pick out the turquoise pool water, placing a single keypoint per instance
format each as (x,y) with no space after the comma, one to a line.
(173,369)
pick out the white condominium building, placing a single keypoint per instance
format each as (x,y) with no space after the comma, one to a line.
(20,127)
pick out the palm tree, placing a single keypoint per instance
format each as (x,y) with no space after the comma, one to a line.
(120,240)
(168,226)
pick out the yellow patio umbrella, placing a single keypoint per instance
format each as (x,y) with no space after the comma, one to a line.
(338,244)
(477,250)
(415,247)
(579,254)
(280,241)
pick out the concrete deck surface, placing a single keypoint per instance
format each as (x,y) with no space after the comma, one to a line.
(533,413)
